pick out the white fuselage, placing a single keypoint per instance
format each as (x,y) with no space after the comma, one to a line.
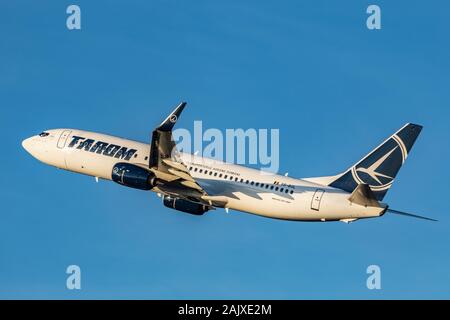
(244,189)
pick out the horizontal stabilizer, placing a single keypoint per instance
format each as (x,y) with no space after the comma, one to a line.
(364,196)
(410,215)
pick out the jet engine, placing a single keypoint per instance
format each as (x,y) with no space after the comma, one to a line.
(184,205)
(133,176)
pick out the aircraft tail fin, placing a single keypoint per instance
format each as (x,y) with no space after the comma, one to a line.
(379,168)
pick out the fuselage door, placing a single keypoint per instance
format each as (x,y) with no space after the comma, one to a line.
(63,138)
(317,197)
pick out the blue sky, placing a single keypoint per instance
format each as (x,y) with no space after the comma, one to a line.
(310,68)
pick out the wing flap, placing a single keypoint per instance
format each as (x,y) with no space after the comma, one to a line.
(176,165)
(191,184)
(181,174)
(217,201)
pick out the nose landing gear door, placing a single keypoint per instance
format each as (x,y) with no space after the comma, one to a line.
(63,138)
(317,197)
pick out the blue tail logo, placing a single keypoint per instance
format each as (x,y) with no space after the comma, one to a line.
(371,171)
(379,168)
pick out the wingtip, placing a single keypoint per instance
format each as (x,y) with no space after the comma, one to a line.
(180,107)
(172,118)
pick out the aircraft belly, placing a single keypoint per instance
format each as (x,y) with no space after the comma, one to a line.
(268,205)
(54,158)
(89,164)
(334,205)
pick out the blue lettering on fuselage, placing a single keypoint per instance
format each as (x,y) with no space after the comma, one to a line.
(101,147)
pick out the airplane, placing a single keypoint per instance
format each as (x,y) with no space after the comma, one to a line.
(196,185)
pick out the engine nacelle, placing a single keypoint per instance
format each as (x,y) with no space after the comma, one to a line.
(133,176)
(184,205)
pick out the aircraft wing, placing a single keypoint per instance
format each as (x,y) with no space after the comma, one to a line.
(173,175)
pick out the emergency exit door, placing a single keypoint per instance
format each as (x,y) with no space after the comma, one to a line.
(63,138)
(317,197)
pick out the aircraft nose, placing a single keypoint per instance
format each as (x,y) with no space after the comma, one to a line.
(28,144)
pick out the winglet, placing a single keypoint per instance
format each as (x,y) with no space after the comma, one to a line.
(172,118)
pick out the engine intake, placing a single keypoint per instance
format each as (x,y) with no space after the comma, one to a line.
(133,176)
(184,205)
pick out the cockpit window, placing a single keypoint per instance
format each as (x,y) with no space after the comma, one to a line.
(43,134)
